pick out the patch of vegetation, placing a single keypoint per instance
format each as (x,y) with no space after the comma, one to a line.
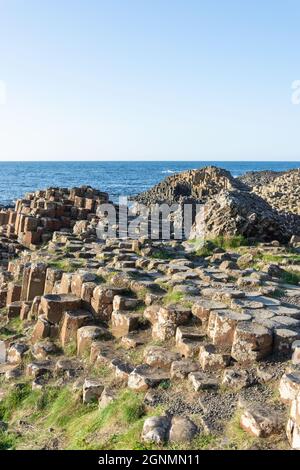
(237,437)
(206,247)
(173,297)
(14,400)
(230,242)
(7,441)
(67,265)
(201,442)
(165,385)
(277,294)
(291,277)
(162,254)
(70,349)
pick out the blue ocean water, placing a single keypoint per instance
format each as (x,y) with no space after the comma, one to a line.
(117,178)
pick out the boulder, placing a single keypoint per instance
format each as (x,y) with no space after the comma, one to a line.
(156,429)
(123,322)
(183,429)
(87,334)
(202,381)
(211,359)
(144,377)
(72,321)
(55,305)
(251,342)
(181,369)
(261,421)
(156,356)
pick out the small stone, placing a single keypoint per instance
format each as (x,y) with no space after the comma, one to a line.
(92,390)
(201,381)
(236,379)
(181,369)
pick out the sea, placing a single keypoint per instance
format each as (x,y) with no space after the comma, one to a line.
(116,178)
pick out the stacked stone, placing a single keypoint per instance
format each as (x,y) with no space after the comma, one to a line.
(283,192)
(39,214)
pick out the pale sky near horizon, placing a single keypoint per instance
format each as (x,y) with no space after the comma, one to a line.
(149,79)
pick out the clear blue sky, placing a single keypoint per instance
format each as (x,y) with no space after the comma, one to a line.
(149,79)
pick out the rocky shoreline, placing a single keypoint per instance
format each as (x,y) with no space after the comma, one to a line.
(136,343)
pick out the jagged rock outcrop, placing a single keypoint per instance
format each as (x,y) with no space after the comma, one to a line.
(242,213)
(199,185)
(283,192)
(232,206)
(259,178)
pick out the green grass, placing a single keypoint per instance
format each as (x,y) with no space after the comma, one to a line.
(280,258)
(13,327)
(200,442)
(277,294)
(162,254)
(173,298)
(67,265)
(291,277)
(80,426)
(14,400)
(7,441)
(206,247)
(230,242)
(70,349)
